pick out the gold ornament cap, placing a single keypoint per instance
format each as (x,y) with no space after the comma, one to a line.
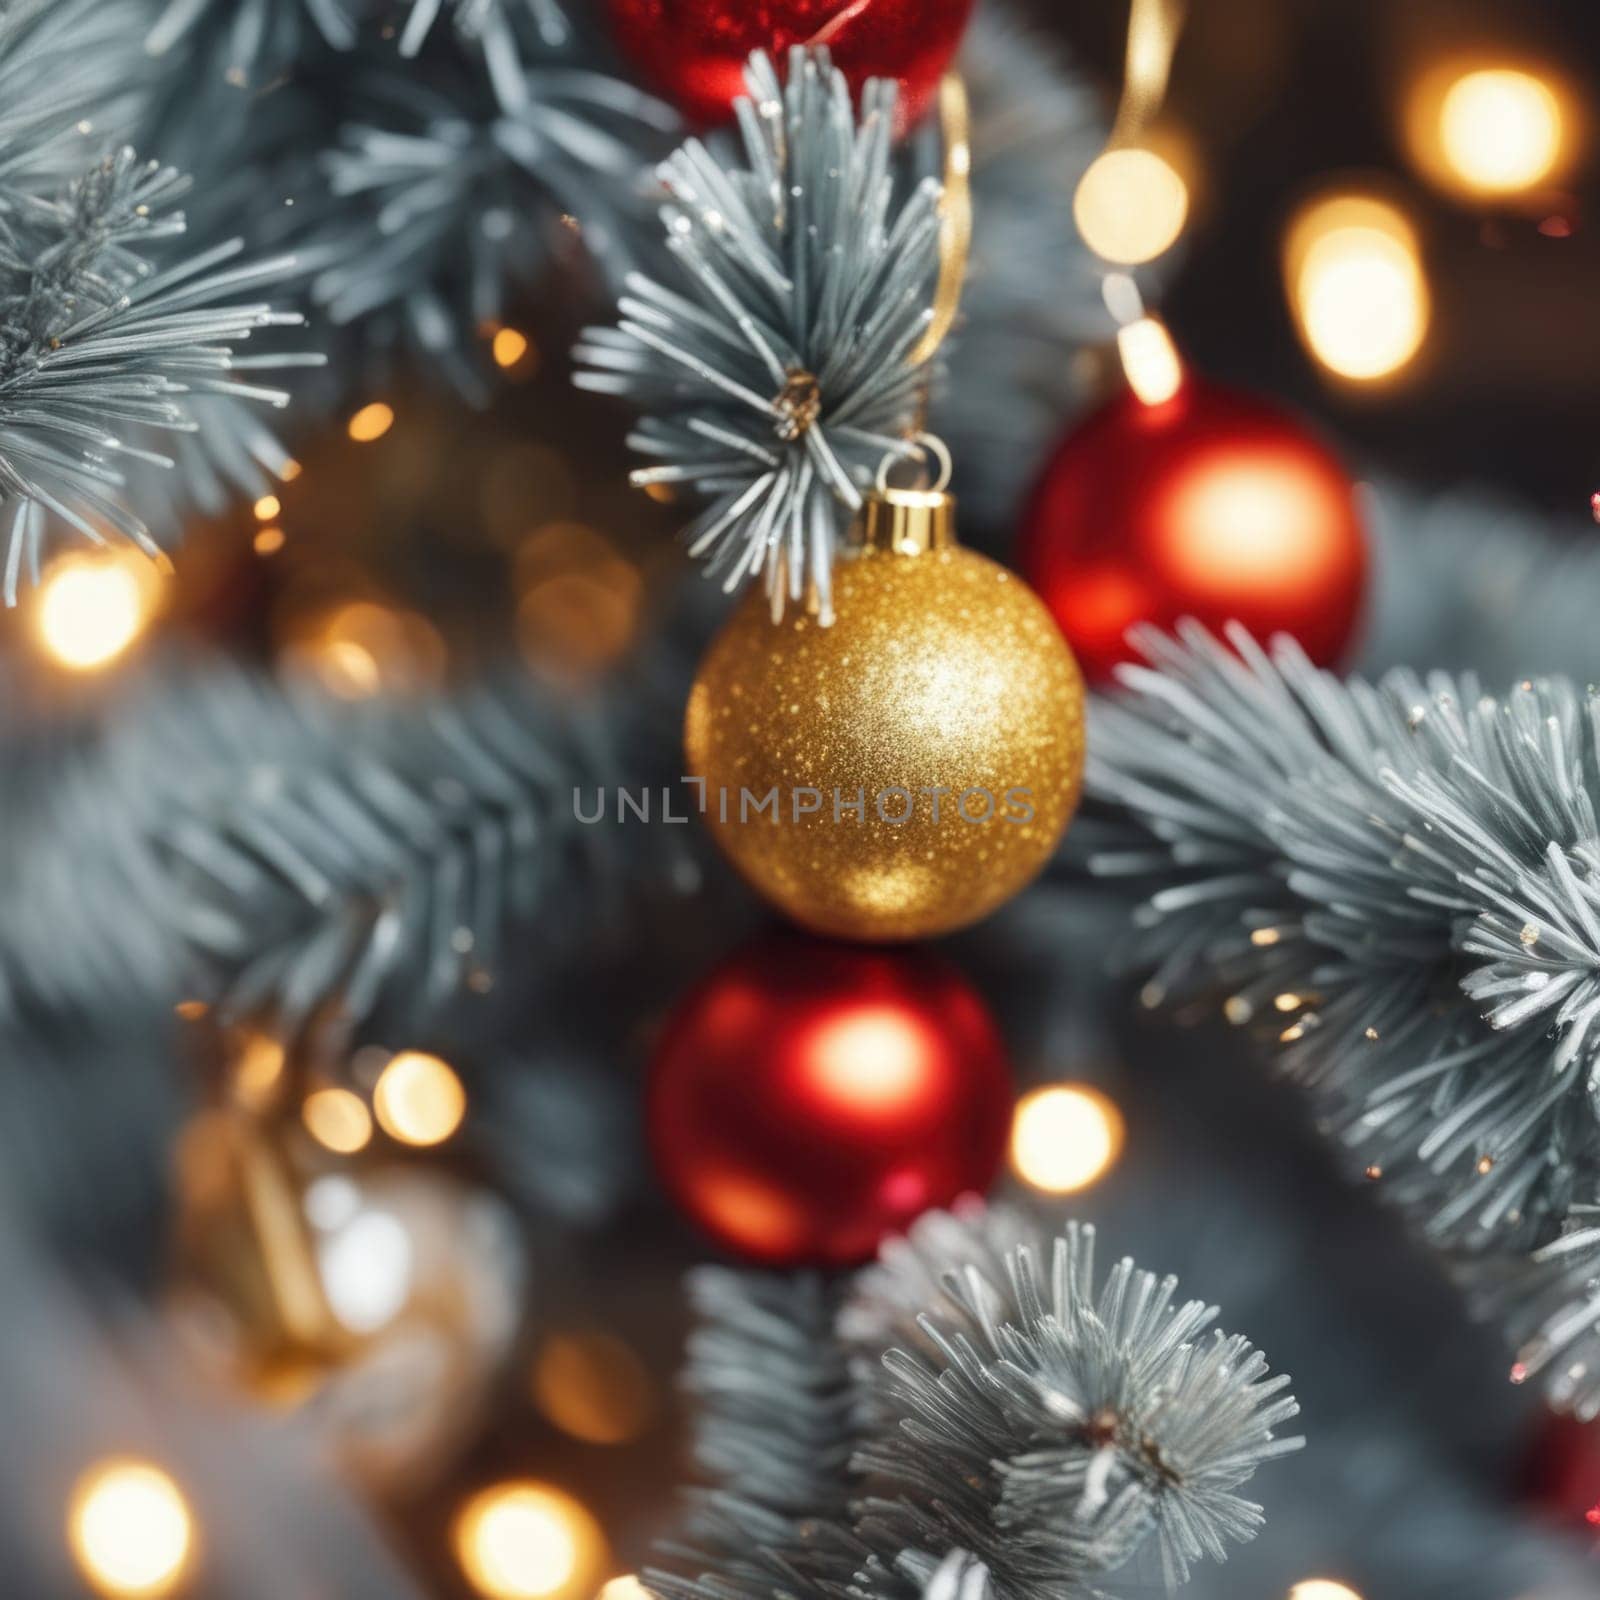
(909,522)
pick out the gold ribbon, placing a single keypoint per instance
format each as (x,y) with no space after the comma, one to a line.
(1153,28)
(955,215)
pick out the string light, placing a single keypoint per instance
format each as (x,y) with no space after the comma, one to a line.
(1322,1589)
(1130,206)
(1150,360)
(1490,130)
(364,649)
(1065,1137)
(1500,130)
(529,1541)
(419,1099)
(91,607)
(592,1386)
(1355,279)
(626,1587)
(510,347)
(130,1530)
(371,422)
(337,1120)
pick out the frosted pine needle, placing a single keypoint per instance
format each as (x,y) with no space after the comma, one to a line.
(1018,1433)
(95,344)
(1053,1427)
(1423,860)
(777,375)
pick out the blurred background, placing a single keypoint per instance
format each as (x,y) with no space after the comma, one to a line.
(498,1193)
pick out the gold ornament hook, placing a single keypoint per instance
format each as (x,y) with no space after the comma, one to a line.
(910,521)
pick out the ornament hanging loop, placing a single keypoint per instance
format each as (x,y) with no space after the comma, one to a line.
(955,216)
(909,522)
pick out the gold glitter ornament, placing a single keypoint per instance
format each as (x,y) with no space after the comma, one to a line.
(907,769)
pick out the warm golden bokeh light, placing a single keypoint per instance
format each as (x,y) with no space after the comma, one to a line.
(337,1120)
(267,507)
(1322,1589)
(1356,284)
(371,422)
(580,600)
(1065,1137)
(1487,129)
(1130,206)
(268,541)
(130,1530)
(510,347)
(626,1587)
(257,1071)
(1150,360)
(364,649)
(419,1099)
(529,1541)
(92,606)
(1500,130)
(592,1386)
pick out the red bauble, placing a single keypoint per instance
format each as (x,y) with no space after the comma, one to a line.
(694,51)
(1212,505)
(811,1098)
(1564,1474)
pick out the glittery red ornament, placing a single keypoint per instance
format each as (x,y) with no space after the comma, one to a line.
(693,51)
(1564,1474)
(1213,505)
(811,1098)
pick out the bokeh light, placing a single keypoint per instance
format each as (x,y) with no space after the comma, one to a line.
(580,600)
(338,1120)
(1150,360)
(419,1099)
(1322,1589)
(130,1529)
(593,1387)
(512,350)
(1130,206)
(267,507)
(92,605)
(627,1587)
(1485,129)
(1065,1137)
(257,1071)
(529,1541)
(363,648)
(1500,130)
(1356,284)
(371,422)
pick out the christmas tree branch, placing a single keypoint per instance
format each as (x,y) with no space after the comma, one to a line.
(778,370)
(92,339)
(1024,1433)
(1400,876)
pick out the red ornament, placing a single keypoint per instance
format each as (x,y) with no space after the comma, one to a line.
(1212,505)
(1564,1474)
(811,1098)
(694,51)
